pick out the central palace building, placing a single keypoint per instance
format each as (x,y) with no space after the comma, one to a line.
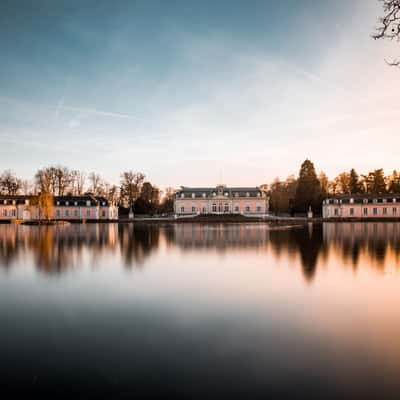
(221,200)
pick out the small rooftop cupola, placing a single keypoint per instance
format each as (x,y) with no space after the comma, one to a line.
(220,189)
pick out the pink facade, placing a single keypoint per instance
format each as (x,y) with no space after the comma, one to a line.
(361,206)
(220,200)
(65,208)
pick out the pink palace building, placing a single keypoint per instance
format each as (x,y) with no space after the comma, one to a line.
(86,207)
(221,200)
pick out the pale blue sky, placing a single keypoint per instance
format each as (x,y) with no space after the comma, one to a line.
(194,92)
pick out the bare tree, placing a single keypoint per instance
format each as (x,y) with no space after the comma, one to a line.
(389,24)
(95,181)
(131,184)
(9,183)
(77,182)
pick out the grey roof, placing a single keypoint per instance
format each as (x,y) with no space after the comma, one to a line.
(58,200)
(232,191)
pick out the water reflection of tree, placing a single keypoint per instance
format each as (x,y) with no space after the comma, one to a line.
(137,241)
(56,249)
(374,240)
(307,242)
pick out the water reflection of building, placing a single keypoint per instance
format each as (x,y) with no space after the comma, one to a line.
(355,239)
(220,236)
(56,249)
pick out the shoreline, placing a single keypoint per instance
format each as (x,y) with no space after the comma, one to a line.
(270,220)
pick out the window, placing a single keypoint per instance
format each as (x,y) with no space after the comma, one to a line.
(76,214)
(226,208)
(258,208)
(182,209)
(4,213)
(204,210)
(193,209)
(57,213)
(365,211)
(375,211)
(236,194)
(67,213)
(103,213)
(336,212)
(384,211)
(384,201)
(236,208)
(247,208)
(351,212)
(88,213)
(394,210)
(14,213)
(214,208)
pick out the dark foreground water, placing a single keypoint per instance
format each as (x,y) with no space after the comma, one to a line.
(219,311)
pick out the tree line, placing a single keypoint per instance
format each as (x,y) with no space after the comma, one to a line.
(133,190)
(296,195)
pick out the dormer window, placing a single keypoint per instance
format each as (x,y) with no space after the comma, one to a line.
(214,194)
(258,194)
(394,200)
(58,203)
(236,194)
(104,203)
(384,201)
(365,201)
(14,202)
(375,201)
(88,203)
(247,194)
(27,202)
(226,194)
(204,195)
(5,202)
(67,203)
(351,201)
(193,195)
(182,195)
(76,203)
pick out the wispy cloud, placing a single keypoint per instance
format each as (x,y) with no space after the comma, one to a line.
(102,113)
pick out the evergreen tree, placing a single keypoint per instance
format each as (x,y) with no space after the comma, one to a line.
(308,191)
(375,182)
(394,182)
(355,185)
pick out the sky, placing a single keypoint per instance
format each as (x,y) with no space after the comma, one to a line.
(196,93)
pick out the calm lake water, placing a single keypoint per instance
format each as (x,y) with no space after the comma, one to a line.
(204,311)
